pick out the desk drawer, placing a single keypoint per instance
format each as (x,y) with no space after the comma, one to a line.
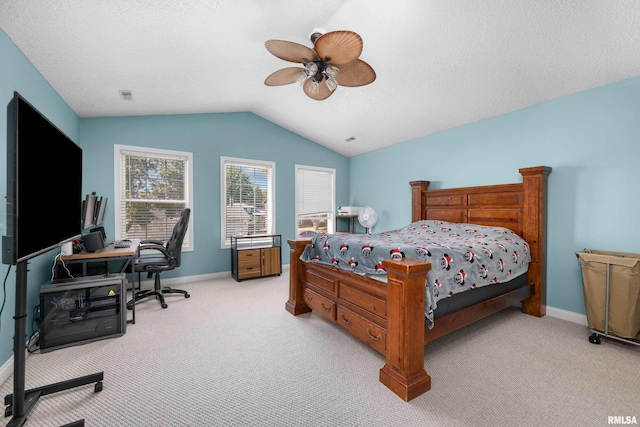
(249,263)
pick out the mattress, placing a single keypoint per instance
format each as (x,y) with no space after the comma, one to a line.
(464,257)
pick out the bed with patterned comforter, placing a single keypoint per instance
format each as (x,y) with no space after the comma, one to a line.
(463,256)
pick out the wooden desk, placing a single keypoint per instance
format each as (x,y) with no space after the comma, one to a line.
(110,253)
(351,222)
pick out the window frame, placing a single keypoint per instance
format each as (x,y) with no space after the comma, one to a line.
(119,150)
(271,195)
(331,226)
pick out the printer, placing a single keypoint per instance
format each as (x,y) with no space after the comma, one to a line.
(349,210)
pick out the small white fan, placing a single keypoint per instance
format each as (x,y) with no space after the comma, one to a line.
(367,217)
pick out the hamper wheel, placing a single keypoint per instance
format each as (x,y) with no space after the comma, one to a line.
(594,338)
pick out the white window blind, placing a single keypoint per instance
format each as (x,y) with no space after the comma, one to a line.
(315,199)
(153,189)
(247,205)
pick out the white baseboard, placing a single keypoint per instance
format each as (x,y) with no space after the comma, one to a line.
(570,316)
(6,370)
(174,281)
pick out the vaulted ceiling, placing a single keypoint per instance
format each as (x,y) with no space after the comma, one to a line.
(439,64)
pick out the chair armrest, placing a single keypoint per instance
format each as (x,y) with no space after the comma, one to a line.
(155,242)
(153,245)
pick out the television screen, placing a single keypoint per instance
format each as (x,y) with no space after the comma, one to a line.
(44,184)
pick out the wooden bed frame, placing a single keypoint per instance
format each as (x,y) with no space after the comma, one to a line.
(390,316)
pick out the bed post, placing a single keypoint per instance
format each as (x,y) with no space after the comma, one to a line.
(296,304)
(417,202)
(404,371)
(534,230)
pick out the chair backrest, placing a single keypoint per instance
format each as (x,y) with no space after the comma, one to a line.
(174,244)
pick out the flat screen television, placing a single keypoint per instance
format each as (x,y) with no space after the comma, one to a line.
(44,184)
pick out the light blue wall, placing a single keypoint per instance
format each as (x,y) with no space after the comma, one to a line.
(17,74)
(590,139)
(208,137)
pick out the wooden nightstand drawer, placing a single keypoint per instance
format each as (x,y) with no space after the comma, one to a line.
(250,257)
(248,272)
(249,264)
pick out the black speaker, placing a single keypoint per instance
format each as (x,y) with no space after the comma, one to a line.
(93,241)
(101,230)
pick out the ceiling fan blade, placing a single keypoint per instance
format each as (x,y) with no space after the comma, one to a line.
(357,73)
(323,90)
(341,46)
(283,77)
(290,51)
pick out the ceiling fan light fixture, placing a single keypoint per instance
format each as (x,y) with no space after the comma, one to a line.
(332,84)
(315,87)
(301,77)
(331,72)
(311,68)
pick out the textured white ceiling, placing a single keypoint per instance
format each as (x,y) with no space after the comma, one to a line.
(439,64)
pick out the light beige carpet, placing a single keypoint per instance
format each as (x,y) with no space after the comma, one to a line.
(232,356)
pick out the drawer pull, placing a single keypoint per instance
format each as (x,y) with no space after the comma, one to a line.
(345,320)
(372,337)
(325,308)
(307,297)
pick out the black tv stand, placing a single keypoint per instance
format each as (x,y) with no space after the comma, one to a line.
(21,402)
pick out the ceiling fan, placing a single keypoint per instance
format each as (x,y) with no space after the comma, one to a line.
(333,61)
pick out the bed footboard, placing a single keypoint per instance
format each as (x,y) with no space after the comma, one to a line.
(404,371)
(389,317)
(296,305)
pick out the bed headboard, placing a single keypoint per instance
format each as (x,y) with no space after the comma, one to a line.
(521,207)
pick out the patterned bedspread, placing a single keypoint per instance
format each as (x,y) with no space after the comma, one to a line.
(463,256)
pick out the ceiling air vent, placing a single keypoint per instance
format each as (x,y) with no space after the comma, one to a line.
(126,95)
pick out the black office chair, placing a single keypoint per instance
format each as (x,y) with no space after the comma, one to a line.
(163,258)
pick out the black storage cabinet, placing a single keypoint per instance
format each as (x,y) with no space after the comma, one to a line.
(80,310)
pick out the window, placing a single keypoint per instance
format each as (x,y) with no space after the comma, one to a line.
(315,199)
(152,187)
(247,198)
